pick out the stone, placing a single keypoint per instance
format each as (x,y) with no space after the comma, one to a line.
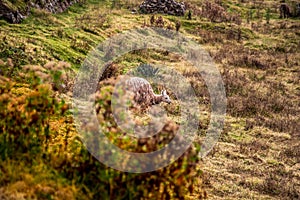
(170,7)
(16,16)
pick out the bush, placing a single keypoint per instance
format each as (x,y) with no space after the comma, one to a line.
(216,13)
(24,119)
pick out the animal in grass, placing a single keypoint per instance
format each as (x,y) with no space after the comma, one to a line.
(143,92)
(284,11)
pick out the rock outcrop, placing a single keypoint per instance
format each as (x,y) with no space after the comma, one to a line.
(54,6)
(9,14)
(16,13)
(169,7)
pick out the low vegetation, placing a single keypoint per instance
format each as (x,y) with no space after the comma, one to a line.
(257,53)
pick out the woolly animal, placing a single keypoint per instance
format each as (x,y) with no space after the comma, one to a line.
(143,92)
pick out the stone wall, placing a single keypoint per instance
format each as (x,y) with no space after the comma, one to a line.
(170,7)
(16,13)
(9,14)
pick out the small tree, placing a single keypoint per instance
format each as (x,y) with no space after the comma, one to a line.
(152,20)
(178,25)
(160,22)
(268,15)
(190,15)
(250,15)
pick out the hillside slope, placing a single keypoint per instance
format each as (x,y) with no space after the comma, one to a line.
(257,53)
